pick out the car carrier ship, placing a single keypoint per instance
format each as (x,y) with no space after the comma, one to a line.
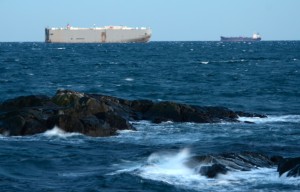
(107,34)
(255,37)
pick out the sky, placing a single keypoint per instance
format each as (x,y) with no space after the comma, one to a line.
(170,20)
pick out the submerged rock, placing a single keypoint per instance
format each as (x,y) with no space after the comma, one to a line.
(98,115)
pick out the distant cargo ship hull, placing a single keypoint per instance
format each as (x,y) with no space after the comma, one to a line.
(255,37)
(236,39)
(111,34)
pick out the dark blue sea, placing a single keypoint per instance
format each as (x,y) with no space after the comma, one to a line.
(261,77)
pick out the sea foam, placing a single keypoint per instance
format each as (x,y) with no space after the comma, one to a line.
(57,132)
(272,119)
(170,167)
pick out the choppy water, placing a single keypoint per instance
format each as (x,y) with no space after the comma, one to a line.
(258,77)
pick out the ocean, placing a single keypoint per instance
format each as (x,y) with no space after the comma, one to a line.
(259,77)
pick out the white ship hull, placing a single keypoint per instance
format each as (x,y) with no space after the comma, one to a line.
(111,34)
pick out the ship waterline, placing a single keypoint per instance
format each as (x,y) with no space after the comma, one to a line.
(107,34)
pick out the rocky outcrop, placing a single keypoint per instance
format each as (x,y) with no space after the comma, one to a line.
(213,170)
(291,166)
(170,111)
(98,115)
(212,165)
(71,111)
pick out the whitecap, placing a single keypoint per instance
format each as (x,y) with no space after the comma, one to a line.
(125,131)
(57,132)
(204,62)
(61,48)
(129,79)
(164,166)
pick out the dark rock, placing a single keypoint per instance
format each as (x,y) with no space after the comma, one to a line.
(290,165)
(34,126)
(249,122)
(97,115)
(221,113)
(244,114)
(221,163)
(276,159)
(213,171)
(294,172)
(141,106)
(26,121)
(96,127)
(13,125)
(116,122)
(238,161)
(66,122)
(166,111)
(24,101)
(170,111)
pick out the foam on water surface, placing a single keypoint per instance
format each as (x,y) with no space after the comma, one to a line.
(272,119)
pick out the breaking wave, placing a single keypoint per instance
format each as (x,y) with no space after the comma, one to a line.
(57,132)
(171,168)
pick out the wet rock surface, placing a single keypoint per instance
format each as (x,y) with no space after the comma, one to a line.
(98,115)
(291,166)
(213,165)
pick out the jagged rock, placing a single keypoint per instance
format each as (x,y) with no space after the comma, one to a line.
(24,101)
(289,165)
(213,170)
(26,121)
(97,115)
(97,127)
(66,122)
(244,114)
(170,111)
(294,172)
(276,159)
(212,165)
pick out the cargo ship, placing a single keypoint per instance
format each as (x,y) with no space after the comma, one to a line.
(107,34)
(255,37)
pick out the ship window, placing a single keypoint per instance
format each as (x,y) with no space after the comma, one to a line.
(51,33)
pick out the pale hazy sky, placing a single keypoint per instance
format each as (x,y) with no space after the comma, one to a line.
(175,20)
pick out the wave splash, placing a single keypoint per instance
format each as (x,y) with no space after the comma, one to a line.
(172,168)
(57,132)
(167,163)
